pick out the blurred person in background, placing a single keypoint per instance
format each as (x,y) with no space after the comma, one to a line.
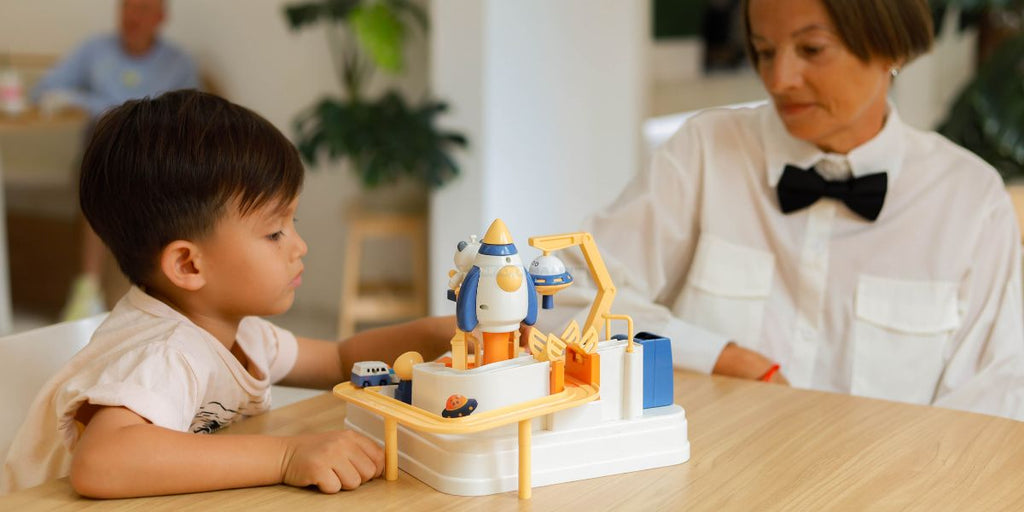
(101,73)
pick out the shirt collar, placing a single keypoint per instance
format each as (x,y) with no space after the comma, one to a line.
(883,153)
(150,304)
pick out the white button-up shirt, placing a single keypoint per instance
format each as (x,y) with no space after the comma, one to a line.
(923,305)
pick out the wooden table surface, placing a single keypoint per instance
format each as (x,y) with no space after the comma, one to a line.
(754,446)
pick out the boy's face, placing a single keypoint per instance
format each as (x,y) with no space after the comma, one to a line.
(253,264)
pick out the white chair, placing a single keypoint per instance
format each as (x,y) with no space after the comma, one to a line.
(28,360)
(6,314)
(656,130)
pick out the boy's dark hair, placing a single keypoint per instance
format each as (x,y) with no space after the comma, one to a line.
(164,169)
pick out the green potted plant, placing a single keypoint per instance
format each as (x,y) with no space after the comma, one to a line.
(386,138)
(987,117)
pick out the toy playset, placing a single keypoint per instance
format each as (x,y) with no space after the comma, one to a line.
(490,420)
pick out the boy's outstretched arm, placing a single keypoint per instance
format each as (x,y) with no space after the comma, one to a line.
(322,364)
(121,455)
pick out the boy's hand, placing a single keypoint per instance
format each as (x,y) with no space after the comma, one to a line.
(332,461)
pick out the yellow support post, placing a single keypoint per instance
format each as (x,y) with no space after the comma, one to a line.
(525,427)
(459,350)
(629,328)
(390,449)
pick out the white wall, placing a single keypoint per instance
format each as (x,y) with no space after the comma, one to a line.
(551,95)
(247,50)
(925,89)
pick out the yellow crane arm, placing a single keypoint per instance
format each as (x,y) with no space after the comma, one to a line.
(605,288)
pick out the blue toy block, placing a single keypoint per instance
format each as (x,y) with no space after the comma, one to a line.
(658,388)
(403,392)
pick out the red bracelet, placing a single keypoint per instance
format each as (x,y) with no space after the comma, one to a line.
(768,374)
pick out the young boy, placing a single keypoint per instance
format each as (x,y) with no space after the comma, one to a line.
(195,197)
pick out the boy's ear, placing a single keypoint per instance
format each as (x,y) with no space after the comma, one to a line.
(179,262)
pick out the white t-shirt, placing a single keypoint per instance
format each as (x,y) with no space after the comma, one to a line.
(923,305)
(154,361)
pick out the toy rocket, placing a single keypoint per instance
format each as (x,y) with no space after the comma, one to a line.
(497,294)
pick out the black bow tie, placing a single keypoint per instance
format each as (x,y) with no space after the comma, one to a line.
(799,188)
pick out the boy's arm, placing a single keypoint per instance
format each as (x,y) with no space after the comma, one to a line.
(121,455)
(322,364)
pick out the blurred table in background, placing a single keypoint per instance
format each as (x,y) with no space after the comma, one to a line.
(38,154)
(33,119)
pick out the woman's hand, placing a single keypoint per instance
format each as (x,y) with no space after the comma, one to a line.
(736,361)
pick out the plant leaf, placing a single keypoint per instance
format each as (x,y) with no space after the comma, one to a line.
(416,11)
(381,33)
(988,115)
(385,139)
(308,13)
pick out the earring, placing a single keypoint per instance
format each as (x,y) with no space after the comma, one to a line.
(894,71)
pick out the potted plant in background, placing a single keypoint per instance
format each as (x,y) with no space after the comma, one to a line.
(987,117)
(386,139)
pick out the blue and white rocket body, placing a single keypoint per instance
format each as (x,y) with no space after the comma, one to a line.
(497,293)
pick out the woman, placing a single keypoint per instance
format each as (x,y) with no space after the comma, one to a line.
(820,239)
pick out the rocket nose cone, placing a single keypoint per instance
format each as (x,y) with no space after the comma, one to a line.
(497,234)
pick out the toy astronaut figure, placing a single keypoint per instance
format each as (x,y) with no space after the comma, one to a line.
(465,254)
(497,294)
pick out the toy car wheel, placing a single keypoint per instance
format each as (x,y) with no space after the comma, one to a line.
(366,384)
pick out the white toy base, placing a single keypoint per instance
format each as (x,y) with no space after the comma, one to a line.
(487,462)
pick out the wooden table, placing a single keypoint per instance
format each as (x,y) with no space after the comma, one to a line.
(754,447)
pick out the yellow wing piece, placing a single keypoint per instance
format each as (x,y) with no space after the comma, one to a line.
(555,349)
(588,343)
(571,334)
(537,343)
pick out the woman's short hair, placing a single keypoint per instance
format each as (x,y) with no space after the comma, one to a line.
(896,30)
(162,169)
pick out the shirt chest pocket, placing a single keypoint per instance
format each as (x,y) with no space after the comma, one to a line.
(901,331)
(726,289)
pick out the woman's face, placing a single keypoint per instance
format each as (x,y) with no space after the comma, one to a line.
(823,93)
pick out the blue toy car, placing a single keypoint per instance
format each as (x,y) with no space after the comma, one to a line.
(372,373)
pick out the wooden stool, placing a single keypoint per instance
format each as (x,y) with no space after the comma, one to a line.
(382,302)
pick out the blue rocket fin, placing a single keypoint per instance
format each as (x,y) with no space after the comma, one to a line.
(531,292)
(465,306)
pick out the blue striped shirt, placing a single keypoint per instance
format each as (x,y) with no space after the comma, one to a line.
(100,75)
